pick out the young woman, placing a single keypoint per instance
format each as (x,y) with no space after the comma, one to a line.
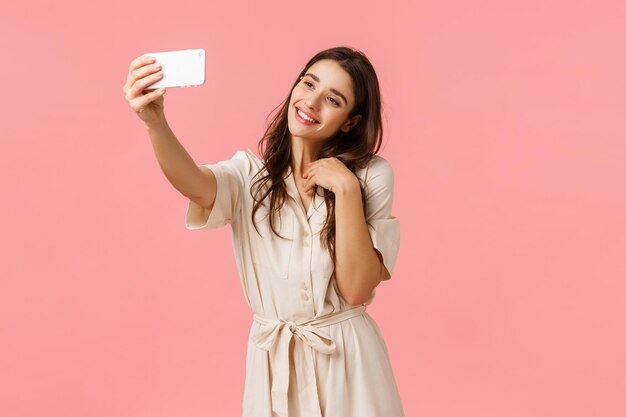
(312,233)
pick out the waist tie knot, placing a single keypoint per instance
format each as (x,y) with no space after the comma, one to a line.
(292,326)
(274,335)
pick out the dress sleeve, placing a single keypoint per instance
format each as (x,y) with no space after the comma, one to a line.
(231,175)
(383,227)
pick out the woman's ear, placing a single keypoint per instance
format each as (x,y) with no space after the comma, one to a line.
(349,125)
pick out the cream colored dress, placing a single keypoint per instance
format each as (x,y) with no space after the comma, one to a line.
(310,353)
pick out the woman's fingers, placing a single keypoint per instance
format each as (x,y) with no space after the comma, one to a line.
(142,83)
(139,62)
(148,104)
(135,64)
(141,102)
(138,71)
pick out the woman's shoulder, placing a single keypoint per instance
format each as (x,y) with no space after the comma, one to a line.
(247,161)
(252,155)
(375,166)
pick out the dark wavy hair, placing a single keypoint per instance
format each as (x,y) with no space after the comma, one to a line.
(354,148)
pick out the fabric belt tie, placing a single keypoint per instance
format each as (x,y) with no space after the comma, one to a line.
(274,335)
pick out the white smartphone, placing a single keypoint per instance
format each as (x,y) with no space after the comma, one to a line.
(182,68)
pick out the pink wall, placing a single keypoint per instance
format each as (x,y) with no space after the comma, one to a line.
(505,126)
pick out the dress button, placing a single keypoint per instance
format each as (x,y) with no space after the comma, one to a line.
(305,297)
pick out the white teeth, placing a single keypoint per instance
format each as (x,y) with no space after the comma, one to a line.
(304,116)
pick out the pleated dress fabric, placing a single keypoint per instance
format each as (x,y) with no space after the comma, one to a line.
(310,353)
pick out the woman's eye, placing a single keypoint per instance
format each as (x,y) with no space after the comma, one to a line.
(311,85)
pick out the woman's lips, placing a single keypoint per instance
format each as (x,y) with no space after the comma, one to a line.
(301,120)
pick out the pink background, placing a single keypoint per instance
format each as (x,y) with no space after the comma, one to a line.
(504,121)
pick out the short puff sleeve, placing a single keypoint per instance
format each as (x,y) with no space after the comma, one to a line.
(231,175)
(384,228)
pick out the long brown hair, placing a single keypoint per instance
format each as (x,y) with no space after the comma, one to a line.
(354,148)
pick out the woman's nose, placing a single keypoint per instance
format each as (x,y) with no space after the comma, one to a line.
(312,101)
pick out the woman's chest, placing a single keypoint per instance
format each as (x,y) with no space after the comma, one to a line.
(305,198)
(292,246)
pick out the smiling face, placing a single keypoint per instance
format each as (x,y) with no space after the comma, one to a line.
(325,94)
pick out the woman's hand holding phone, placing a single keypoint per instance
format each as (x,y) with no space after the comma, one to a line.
(142,73)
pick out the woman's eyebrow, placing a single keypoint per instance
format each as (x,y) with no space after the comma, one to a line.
(332,90)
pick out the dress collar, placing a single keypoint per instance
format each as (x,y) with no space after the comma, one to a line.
(317,202)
